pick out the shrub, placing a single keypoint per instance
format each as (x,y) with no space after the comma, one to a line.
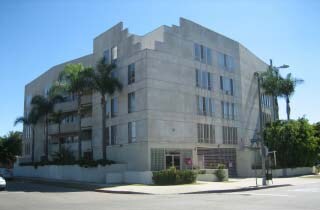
(64,157)
(172,176)
(295,141)
(221,174)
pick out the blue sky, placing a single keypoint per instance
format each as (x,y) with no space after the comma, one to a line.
(37,34)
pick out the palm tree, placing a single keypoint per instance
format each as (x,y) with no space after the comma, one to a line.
(103,82)
(45,105)
(57,117)
(74,79)
(287,88)
(271,85)
(30,120)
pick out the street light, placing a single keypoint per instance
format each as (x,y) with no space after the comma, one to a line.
(262,147)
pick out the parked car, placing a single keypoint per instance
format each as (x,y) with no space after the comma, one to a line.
(3,183)
(6,173)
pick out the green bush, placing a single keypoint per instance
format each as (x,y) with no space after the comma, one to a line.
(221,174)
(172,176)
(295,141)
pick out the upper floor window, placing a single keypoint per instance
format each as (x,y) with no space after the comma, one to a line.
(114,54)
(113,135)
(266,100)
(203,54)
(226,85)
(204,79)
(205,106)
(228,110)
(206,133)
(106,56)
(225,62)
(132,132)
(131,73)
(229,135)
(114,107)
(70,118)
(131,102)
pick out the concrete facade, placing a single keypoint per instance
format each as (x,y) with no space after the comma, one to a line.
(166,111)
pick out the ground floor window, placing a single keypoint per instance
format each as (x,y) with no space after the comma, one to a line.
(211,157)
(162,158)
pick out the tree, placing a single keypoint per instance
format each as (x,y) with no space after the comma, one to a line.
(294,141)
(271,86)
(287,89)
(75,79)
(57,117)
(103,82)
(30,120)
(44,106)
(10,147)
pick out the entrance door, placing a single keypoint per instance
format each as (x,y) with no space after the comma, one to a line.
(173,160)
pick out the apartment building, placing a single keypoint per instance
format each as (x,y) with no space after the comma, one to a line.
(190,99)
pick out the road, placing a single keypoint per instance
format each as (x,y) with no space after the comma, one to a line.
(31,196)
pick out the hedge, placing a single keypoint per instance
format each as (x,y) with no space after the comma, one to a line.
(172,176)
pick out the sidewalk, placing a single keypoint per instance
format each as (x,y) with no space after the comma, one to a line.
(233,185)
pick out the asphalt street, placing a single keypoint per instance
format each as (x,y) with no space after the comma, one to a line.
(22,195)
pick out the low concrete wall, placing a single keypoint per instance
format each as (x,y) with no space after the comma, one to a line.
(287,172)
(69,172)
(210,176)
(130,177)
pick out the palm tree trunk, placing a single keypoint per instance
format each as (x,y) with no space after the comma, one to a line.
(47,139)
(275,108)
(288,107)
(79,127)
(32,146)
(103,109)
(59,140)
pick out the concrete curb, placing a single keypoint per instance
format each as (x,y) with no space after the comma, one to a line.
(197,192)
(123,192)
(244,189)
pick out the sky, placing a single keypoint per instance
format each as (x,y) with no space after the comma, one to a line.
(38,34)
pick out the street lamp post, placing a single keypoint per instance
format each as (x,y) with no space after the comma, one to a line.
(262,147)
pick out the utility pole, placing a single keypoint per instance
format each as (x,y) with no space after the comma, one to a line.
(262,147)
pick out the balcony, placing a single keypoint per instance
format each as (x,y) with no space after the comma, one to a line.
(86,99)
(86,122)
(67,106)
(72,105)
(64,128)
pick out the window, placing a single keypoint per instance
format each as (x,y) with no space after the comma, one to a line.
(206,133)
(114,54)
(196,51)
(204,79)
(106,56)
(107,107)
(203,54)
(113,135)
(228,110)
(229,135)
(225,62)
(266,101)
(132,132)
(131,73)
(209,56)
(107,136)
(131,102)
(198,78)
(205,106)
(114,107)
(226,85)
